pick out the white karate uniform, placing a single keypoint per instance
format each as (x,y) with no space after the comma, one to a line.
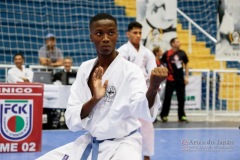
(15,74)
(115,115)
(145,59)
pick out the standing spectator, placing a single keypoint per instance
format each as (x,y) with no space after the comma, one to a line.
(67,63)
(157,51)
(175,59)
(135,52)
(19,73)
(158,55)
(49,54)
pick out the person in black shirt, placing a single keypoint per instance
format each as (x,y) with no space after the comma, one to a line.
(67,63)
(175,59)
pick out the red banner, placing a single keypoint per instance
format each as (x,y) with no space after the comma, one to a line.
(21,117)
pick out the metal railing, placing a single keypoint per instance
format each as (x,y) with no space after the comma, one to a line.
(212,89)
(203,112)
(6,67)
(40,67)
(226,93)
(190,23)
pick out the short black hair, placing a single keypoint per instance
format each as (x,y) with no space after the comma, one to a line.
(18,54)
(134,25)
(101,16)
(173,40)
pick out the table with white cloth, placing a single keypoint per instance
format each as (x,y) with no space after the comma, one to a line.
(55,98)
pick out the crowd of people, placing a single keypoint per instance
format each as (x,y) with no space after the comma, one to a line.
(115,96)
(49,56)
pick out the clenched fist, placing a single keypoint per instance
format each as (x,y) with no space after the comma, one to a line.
(158,75)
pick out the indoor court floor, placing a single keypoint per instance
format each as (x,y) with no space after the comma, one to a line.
(173,141)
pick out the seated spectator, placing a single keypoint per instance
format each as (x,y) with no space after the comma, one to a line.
(49,54)
(19,73)
(67,63)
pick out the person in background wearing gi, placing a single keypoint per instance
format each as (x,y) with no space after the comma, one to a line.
(136,53)
(19,73)
(107,99)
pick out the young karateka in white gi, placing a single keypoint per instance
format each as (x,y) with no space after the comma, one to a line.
(135,52)
(19,73)
(107,98)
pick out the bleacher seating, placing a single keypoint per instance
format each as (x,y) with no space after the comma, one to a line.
(204,13)
(204,17)
(19,20)
(24,25)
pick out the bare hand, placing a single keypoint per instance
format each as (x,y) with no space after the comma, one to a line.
(48,61)
(98,89)
(25,79)
(158,75)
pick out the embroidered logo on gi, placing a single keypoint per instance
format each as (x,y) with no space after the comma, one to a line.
(16,118)
(65,157)
(110,93)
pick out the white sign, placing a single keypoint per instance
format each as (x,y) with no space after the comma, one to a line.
(159,20)
(193,94)
(56,96)
(228,46)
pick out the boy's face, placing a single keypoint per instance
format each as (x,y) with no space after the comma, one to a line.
(103,34)
(134,35)
(159,53)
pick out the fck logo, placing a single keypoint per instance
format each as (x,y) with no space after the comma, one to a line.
(16,119)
